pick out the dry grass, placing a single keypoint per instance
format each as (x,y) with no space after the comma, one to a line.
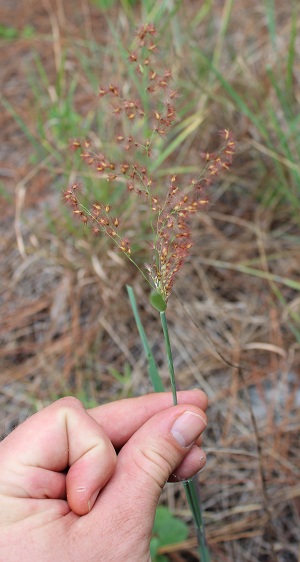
(66,325)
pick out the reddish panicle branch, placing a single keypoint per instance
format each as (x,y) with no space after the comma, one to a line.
(141,122)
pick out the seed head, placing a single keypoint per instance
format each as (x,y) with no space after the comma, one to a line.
(138,131)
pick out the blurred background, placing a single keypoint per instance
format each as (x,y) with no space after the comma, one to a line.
(66,325)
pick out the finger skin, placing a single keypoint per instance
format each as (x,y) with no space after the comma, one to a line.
(122,418)
(193,462)
(57,438)
(144,464)
(62,436)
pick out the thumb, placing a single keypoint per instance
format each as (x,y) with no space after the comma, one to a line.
(144,465)
(158,448)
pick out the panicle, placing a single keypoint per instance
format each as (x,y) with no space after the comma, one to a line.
(137,130)
(173,240)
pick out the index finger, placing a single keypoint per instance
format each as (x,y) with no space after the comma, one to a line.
(61,437)
(121,419)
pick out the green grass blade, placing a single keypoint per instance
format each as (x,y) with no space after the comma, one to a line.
(238,100)
(271,21)
(192,123)
(291,283)
(152,367)
(191,488)
(202,13)
(21,123)
(289,80)
(227,9)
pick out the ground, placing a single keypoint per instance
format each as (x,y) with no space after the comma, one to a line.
(66,325)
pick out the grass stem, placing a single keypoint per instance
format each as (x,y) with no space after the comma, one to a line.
(191,487)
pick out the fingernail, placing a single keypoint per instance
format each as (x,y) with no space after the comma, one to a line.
(202,461)
(187,428)
(92,499)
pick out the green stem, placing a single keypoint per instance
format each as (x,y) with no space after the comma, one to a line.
(191,487)
(169,355)
(192,492)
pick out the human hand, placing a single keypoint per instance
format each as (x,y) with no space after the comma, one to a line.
(66,496)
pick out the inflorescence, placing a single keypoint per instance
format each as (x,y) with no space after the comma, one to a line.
(141,122)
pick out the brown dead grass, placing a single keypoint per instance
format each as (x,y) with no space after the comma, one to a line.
(66,322)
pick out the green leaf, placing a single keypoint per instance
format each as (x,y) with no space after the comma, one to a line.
(104,4)
(168,528)
(154,546)
(8,32)
(158,302)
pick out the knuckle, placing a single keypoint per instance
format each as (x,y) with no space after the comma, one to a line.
(156,463)
(69,402)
